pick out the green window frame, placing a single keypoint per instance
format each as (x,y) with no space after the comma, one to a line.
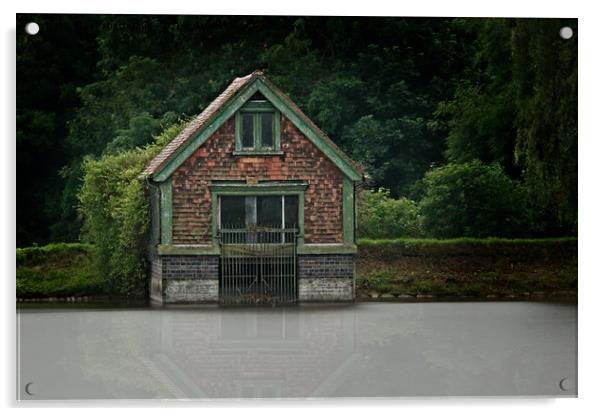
(256,110)
(277,189)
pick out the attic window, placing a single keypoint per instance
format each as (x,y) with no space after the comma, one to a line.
(258,129)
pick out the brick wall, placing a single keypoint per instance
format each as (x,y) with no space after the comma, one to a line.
(302,160)
(176,279)
(190,267)
(328,266)
(325,277)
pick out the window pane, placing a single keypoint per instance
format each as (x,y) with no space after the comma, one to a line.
(250,211)
(269,211)
(267,133)
(232,212)
(291,211)
(247,130)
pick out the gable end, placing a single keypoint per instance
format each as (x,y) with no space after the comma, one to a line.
(228,103)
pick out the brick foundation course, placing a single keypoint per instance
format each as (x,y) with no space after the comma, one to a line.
(194,279)
(324,278)
(325,266)
(185,279)
(317,289)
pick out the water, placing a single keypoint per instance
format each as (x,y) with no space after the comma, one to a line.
(359,350)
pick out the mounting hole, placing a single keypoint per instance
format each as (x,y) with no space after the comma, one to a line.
(566,384)
(32,28)
(566,32)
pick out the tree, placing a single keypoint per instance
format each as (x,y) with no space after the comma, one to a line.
(480,118)
(545,72)
(472,200)
(401,95)
(50,67)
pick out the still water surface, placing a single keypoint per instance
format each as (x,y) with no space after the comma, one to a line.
(360,350)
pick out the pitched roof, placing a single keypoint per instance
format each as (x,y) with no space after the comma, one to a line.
(196,125)
(205,118)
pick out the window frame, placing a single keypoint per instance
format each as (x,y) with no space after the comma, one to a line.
(252,221)
(257,108)
(219,189)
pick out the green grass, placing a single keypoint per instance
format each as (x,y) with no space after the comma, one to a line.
(492,247)
(458,267)
(465,240)
(57,270)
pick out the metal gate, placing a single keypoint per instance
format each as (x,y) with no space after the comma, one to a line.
(258,266)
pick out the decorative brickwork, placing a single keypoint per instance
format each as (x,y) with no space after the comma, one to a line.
(214,160)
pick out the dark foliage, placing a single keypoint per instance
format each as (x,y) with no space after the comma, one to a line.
(401,95)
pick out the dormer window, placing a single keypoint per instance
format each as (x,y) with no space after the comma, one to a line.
(258,129)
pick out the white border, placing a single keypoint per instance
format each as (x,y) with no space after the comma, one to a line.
(590,152)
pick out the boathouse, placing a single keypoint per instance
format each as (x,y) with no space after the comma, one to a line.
(252,203)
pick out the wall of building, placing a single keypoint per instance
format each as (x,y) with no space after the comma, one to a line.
(185,279)
(214,160)
(195,279)
(323,278)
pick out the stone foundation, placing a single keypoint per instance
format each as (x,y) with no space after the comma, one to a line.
(326,278)
(195,279)
(185,279)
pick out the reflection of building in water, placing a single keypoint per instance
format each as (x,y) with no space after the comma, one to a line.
(254,353)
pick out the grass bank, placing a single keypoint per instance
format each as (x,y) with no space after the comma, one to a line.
(467,267)
(57,270)
(407,268)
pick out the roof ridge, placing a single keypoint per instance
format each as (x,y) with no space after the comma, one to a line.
(196,124)
(211,111)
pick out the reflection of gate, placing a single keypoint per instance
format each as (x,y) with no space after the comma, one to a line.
(258,266)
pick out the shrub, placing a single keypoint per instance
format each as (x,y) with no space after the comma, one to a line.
(58,269)
(380,216)
(32,256)
(472,200)
(115,210)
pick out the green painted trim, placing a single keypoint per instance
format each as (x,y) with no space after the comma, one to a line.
(228,111)
(257,149)
(255,106)
(214,218)
(166,211)
(258,153)
(301,218)
(201,250)
(155,219)
(348,220)
(277,130)
(349,170)
(257,131)
(259,189)
(327,249)
(238,131)
(232,108)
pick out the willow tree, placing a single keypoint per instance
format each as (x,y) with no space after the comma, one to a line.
(545,74)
